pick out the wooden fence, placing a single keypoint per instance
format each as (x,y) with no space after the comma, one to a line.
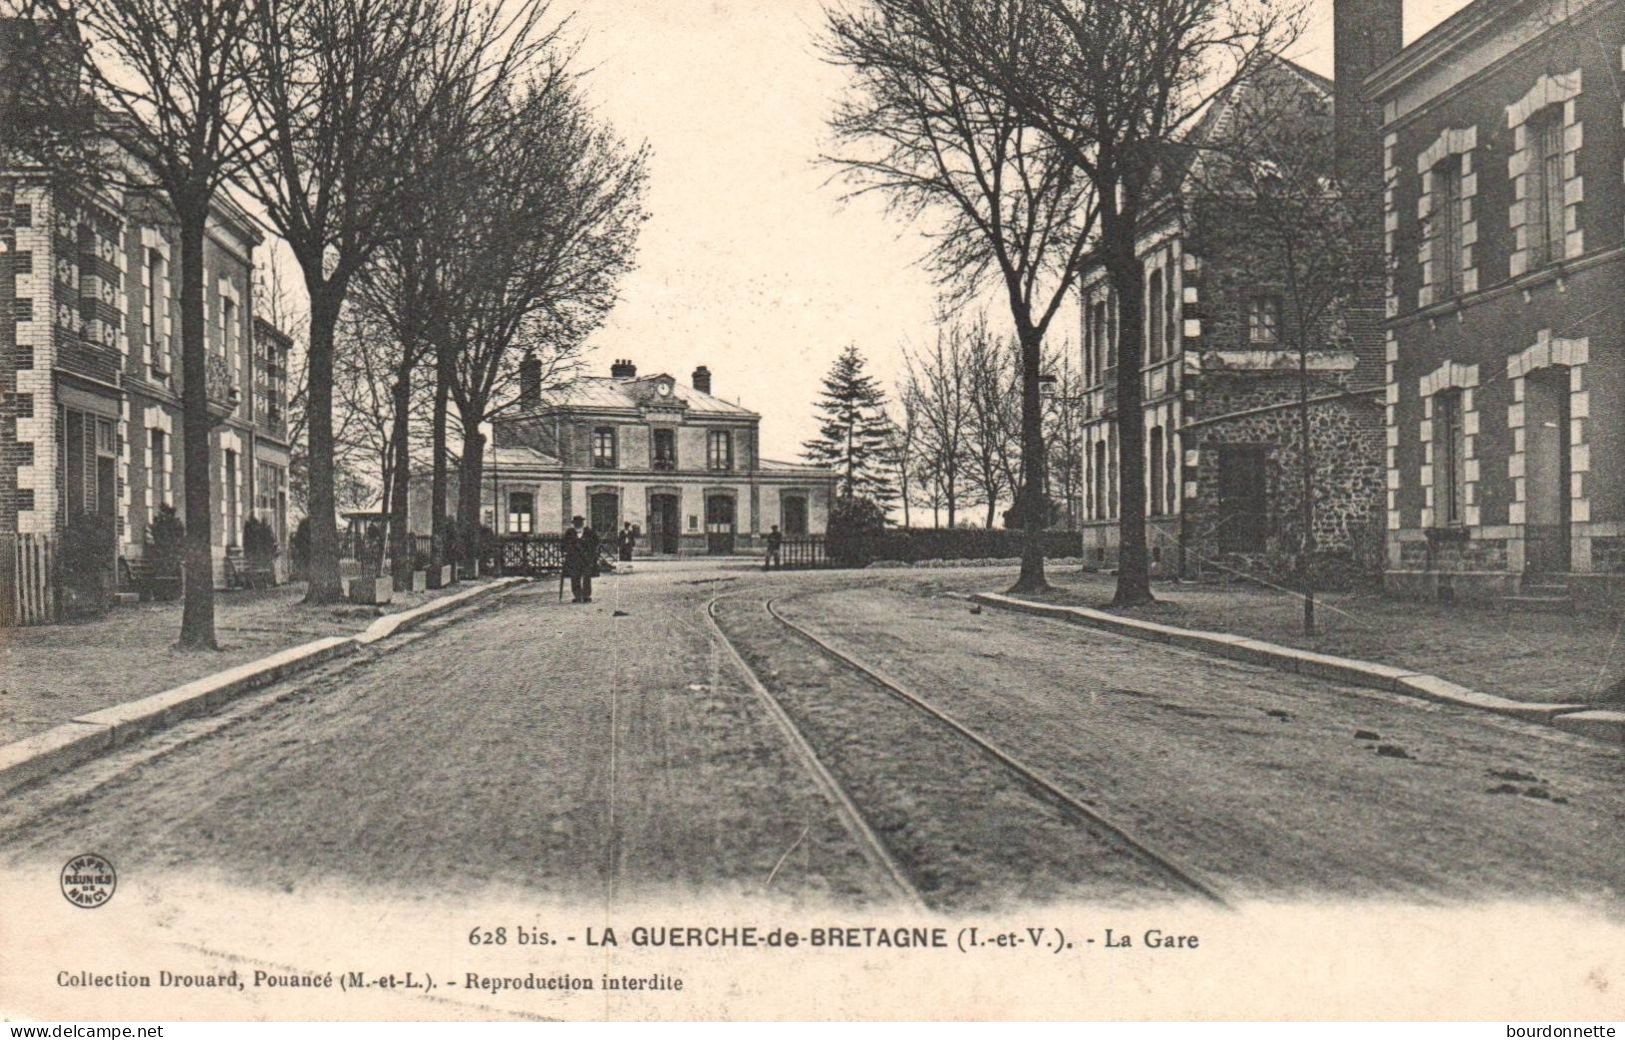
(33,599)
(804,552)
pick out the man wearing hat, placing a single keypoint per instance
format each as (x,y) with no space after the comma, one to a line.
(580,558)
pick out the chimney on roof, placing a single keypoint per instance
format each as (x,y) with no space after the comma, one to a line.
(530,381)
(623,369)
(1365,35)
(702,380)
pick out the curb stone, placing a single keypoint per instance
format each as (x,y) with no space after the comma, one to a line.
(1604,725)
(93,733)
(1572,718)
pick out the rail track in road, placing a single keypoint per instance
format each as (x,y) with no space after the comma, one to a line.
(944,813)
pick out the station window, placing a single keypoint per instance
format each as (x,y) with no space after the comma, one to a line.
(521,512)
(603,447)
(719,450)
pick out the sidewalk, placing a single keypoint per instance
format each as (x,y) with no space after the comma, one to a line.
(51,674)
(1521,655)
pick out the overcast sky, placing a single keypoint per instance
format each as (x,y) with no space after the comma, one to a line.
(751,262)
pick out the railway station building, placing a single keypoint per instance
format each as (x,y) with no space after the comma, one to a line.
(671,458)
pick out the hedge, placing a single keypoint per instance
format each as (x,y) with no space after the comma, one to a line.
(911,545)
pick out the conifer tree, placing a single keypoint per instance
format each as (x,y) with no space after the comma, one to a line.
(854,432)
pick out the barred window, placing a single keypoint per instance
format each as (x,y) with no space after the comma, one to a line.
(25,499)
(22,309)
(25,406)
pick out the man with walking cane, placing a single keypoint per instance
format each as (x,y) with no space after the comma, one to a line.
(580,546)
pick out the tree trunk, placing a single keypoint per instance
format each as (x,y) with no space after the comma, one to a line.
(400,539)
(1033,496)
(903,479)
(197,611)
(470,471)
(441,552)
(1128,282)
(325,583)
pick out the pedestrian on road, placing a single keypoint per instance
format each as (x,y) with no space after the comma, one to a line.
(580,559)
(629,538)
(775,541)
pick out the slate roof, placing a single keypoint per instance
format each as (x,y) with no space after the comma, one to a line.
(515,456)
(1273,72)
(606,392)
(793,467)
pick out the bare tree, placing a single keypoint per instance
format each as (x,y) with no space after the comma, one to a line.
(329,76)
(940,381)
(904,448)
(551,233)
(995,431)
(443,155)
(362,389)
(1112,86)
(1063,426)
(1010,208)
(1266,189)
(167,84)
(345,91)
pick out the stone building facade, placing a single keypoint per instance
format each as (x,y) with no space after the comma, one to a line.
(1505,225)
(678,463)
(91,371)
(1221,374)
(95,347)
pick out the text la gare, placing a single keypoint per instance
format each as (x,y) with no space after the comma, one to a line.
(1153,938)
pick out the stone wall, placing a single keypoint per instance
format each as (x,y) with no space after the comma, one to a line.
(1348,481)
